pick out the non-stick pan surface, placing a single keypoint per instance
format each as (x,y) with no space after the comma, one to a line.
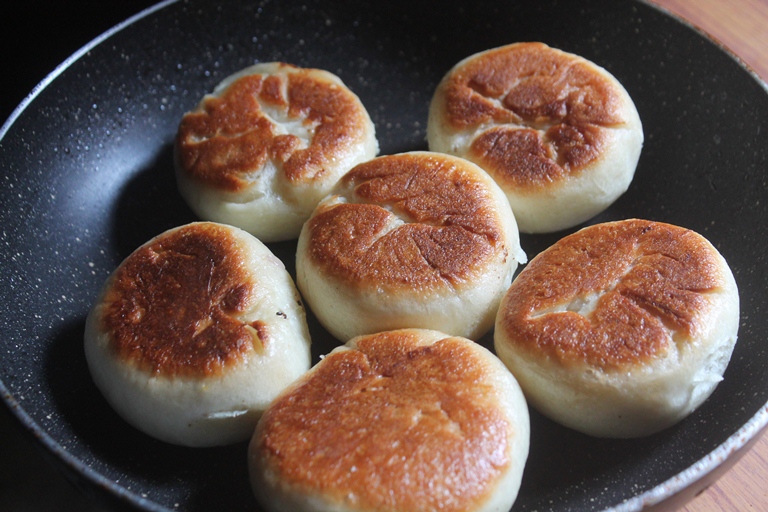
(87,177)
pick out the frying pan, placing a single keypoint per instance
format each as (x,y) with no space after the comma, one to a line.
(87,177)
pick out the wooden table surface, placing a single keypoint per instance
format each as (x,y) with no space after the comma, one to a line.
(741,26)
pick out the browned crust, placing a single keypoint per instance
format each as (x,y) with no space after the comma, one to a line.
(395,425)
(171,306)
(229,138)
(653,277)
(453,230)
(555,107)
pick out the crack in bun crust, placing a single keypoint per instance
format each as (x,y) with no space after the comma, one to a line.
(400,420)
(631,322)
(415,239)
(195,333)
(652,282)
(172,308)
(451,226)
(544,123)
(267,144)
(232,135)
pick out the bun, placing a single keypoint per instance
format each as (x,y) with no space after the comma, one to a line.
(400,421)
(195,333)
(621,329)
(559,134)
(268,143)
(410,240)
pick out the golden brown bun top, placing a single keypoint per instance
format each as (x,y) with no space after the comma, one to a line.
(558,103)
(452,226)
(394,421)
(653,279)
(171,308)
(229,136)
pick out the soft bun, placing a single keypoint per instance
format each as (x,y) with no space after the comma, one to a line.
(401,421)
(195,333)
(621,329)
(268,143)
(409,240)
(558,133)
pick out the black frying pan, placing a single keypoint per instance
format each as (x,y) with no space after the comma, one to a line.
(87,178)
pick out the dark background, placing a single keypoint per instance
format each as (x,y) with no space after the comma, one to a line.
(37,36)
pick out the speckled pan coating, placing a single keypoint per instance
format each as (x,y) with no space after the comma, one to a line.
(87,177)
